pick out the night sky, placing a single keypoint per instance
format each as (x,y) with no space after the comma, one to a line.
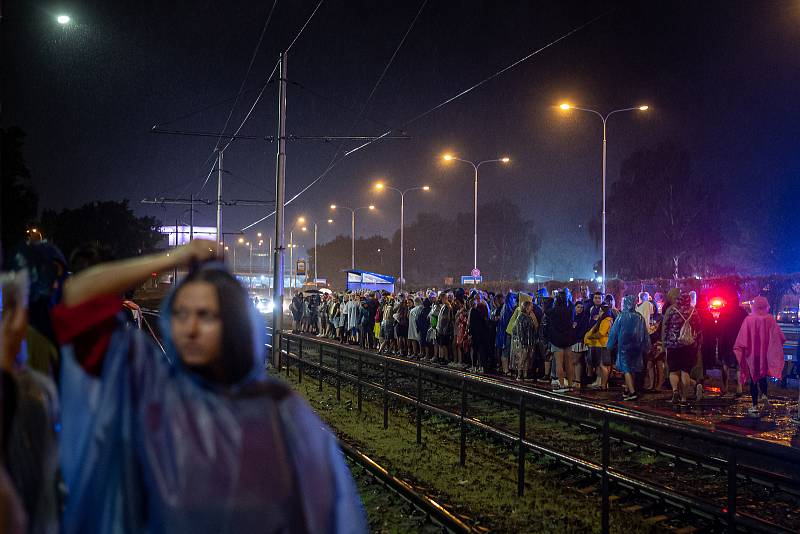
(721,79)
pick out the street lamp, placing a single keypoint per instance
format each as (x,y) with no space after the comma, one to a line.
(314,222)
(476,166)
(32,231)
(63,19)
(352,229)
(300,220)
(250,245)
(380,186)
(604,118)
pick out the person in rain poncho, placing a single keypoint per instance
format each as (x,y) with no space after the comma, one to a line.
(759,351)
(629,335)
(503,339)
(195,440)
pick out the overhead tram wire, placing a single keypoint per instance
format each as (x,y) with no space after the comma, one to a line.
(334,162)
(487,79)
(263,87)
(258,98)
(249,68)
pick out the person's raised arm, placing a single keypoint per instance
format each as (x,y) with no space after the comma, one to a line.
(118,276)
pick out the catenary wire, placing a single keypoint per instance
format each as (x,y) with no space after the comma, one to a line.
(334,162)
(335,158)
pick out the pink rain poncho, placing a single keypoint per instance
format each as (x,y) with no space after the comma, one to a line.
(759,345)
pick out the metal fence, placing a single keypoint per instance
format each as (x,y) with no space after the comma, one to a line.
(456,396)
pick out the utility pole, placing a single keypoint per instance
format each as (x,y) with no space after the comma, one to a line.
(191,219)
(280,183)
(219,201)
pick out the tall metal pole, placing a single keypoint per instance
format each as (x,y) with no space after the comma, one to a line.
(291,260)
(353,240)
(315,254)
(219,199)
(603,283)
(191,219)
(280,183)
(402,221)
(251,258)
(475,246)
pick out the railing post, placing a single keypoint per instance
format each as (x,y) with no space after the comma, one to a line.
(386,393)
(276,351)
(321,350)
(522,449)
(288,359)
(300,361)
(462,455)
(338,374)
(360,361)
(732,487)
(606,455)
(419,404)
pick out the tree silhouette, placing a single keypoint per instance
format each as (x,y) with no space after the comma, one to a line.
(19,201)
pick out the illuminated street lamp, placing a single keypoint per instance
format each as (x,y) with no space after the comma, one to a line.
(32,231)
(604,118)
(380,186)
(476,166)
(63,19)
(352,229)
(329,221)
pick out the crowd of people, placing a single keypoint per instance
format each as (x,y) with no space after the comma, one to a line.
(571,340)
(101,431)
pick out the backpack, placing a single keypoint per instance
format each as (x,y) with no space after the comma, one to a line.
(687,336)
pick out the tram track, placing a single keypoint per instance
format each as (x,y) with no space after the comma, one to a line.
(671,464)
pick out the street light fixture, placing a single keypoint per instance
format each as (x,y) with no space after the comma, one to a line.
(380,186)
(604,118)
(314,222)
(353,211)
(505,159)
(63,19)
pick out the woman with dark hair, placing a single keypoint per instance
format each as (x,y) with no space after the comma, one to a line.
(196,439)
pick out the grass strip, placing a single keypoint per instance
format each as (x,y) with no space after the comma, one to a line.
(484,490)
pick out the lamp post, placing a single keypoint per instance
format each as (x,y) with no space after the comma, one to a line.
(241,242)
(314,222)
(250,245)
(604,119)
(476,166)
(352,229)
(292,269)
(381,186)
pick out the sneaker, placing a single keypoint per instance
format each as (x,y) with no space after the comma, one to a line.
(595,386)
(676,397)
(555,383)
(630,397)
(561,389)
(753,411)
(699,391)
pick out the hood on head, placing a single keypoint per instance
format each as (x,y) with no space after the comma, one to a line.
(628,303)
(760,305)
(254,349)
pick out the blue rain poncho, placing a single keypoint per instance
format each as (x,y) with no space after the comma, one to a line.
(630,336)
(150,446)
(503,339)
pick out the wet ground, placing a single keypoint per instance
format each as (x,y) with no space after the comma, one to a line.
(715,410)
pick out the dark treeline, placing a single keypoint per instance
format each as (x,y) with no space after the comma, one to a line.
(437,247)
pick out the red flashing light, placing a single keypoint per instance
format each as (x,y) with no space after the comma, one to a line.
(716,303)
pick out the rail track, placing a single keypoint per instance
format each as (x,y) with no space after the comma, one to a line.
(697,479)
